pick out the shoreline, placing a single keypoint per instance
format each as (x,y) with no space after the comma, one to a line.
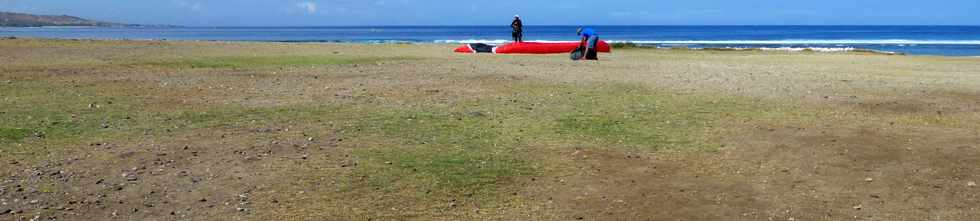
(952,41)
(617,45)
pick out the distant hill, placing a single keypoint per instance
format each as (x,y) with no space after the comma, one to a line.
(12,19)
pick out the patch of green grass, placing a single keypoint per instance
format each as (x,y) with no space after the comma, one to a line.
(481,146)
(54,113)
(432,155)
(623,115)
(410,151)
(446,171)
(9,135)
(607,129)
(433,126)
(268,61)
(67,117)
(454,151)
(425,153)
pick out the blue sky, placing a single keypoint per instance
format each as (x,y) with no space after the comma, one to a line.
(497,12)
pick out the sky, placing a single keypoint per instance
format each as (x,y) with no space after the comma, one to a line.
(500,12)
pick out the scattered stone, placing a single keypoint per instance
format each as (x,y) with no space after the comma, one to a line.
(476,114)
(129,176)
(869,179)
(858,207)
(971,184)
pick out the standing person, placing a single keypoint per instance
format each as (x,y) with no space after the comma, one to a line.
(518,27)
(590,41)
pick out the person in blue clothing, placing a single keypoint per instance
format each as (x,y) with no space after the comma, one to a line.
(590,40)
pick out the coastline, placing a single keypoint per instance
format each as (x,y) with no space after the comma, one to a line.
(910,40)
(616,45)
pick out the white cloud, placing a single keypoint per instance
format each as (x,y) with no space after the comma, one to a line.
(309,7)
(192,5)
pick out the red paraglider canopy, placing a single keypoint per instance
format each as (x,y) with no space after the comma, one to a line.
(545,47)
(534,48)
(464,49)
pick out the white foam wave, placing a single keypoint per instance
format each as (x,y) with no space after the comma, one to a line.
(816,41)
(812,49)
(817,49)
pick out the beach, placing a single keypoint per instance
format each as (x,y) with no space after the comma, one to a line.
(211,130)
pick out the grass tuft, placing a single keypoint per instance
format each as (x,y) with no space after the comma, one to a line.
(10,135)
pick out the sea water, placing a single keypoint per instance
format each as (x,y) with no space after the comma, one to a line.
(914,40)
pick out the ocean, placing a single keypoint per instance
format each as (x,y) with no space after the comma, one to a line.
(912,40)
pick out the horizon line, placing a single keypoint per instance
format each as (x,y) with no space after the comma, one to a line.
(556,25)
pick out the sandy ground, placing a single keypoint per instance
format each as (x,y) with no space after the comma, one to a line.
(194,131)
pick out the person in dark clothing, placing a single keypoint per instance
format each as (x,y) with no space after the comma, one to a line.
(590,41)
(518,27)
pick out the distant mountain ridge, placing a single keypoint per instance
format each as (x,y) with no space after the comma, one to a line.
(13,19)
